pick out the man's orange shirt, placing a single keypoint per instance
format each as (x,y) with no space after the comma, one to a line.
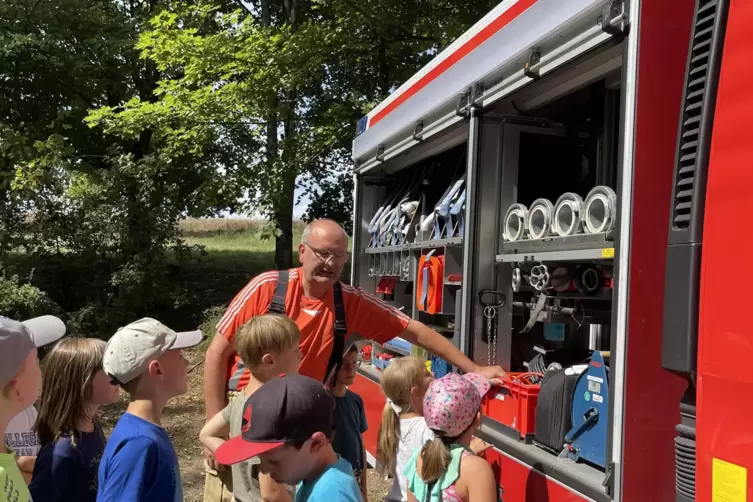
(364,314)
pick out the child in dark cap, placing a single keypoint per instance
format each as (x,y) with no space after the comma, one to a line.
(287,423)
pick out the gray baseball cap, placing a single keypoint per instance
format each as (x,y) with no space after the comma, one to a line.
(17,339)
(133,347)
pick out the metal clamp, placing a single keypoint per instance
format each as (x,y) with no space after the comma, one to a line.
(612,10)
(461,109)
(418,130)
(380,154)
(476,93)
(533,59)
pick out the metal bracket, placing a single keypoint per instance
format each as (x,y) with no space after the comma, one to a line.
(461,109)
(610,11)
(418,130)
(533,59)
(476,93)
(609,479)
(380,154)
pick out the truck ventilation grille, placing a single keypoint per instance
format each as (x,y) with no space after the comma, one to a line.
(693,108)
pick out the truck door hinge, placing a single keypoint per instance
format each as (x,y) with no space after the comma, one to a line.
(613,18)
(609,479)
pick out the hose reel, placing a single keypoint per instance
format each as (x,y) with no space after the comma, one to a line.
(540,219)
(600,210)
(515,225)
(568,214)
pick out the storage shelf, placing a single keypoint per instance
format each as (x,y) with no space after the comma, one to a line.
(437,243)
(579,476)
(392,348)
(593,254)
(557,243)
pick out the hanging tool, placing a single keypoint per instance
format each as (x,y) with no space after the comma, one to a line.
(442,218)
(492,300)
(537,312)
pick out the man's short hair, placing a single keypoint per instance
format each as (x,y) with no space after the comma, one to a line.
(264,334)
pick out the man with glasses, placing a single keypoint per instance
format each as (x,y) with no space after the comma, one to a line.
(311,296)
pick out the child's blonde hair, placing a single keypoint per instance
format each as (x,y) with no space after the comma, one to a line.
(397,381)
(69,371)
(264,334)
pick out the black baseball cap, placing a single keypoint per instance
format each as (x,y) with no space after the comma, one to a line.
(286,409)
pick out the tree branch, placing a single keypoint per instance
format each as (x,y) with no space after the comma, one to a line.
(397,26)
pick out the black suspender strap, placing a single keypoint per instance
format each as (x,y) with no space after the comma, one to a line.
(281,290)
(341,329)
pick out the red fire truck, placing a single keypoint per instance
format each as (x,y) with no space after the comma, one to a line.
(557,192)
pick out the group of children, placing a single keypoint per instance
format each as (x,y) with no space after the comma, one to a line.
(286,436)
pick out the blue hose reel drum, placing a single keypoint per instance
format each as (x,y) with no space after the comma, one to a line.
(587,440)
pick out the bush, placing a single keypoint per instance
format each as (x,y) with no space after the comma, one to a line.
(210,318)
(22,300)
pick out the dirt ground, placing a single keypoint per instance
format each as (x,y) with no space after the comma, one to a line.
(183,420)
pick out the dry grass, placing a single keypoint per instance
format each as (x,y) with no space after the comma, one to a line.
(203,227)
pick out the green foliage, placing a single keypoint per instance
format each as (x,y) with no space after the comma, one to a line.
(118,119)
(22,300)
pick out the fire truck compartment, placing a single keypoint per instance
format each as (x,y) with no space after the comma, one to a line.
(492,217)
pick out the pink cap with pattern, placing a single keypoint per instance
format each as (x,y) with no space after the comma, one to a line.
(451,402)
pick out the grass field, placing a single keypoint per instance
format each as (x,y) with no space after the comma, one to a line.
(234,254)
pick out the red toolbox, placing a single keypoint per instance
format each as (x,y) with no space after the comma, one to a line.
(514,403)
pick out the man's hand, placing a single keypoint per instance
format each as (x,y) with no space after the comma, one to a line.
(495,374)
(212,461)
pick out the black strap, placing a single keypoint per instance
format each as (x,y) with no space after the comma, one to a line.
(281,290)
(341,329)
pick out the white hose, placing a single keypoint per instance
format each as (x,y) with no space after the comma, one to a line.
(601,210)
(515,228)
(568,214)
(540,219)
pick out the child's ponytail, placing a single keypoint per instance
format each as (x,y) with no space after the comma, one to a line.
(389,434)
(397,381)
(435,458)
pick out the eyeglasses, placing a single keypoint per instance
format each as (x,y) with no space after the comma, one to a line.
(326,256)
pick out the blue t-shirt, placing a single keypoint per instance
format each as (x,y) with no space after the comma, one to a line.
(335,484)
(139,464)
(350,422)
(64,471)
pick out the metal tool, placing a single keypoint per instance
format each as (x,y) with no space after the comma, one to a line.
(491,300)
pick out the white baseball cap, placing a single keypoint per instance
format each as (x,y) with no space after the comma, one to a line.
(17,339)
(133,347)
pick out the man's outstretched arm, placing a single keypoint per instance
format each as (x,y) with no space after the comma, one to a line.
(418,333)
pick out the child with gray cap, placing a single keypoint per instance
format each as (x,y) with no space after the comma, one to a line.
(20,378)
(139,463)
(20,435)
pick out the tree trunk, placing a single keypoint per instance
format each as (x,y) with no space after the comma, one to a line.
(284,212)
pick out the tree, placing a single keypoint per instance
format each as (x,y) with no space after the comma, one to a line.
(283,81)
(98,212)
